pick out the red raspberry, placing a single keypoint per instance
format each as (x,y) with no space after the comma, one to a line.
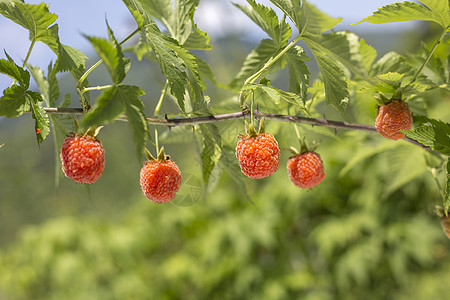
(258,155)
(160,180)
(391,117)
(306,170)
(82,158)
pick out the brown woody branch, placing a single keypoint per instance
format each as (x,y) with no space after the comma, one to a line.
(172,122)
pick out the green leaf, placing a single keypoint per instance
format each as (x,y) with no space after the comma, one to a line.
(391,78)
(197,40)
(42,122)
(447,190)
(60,125)
(112,103)
(314,21)
(107,108)
(49,87)
(172,66)
(336,90)
(298,71)
(432,133)
(14,103)
(440,9)
(36,18)
(228,163)
(368,55)
(136,118)
(9,67)
(291,9)
(390,62)
(212,149)
(111,54)
(267,19)
(405,11)
(277,95)
(256,59)
(139,14)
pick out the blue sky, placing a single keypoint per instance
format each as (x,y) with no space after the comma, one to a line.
(216,17)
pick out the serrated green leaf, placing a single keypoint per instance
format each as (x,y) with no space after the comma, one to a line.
(267,19)
(291,9)
(65,102)
(405,11)
(59,127)
(336,90)
(277,95)
(49,87)
(368,55)
(256,59)
(14,103)
(197,40)
(343,46)
(229,164)
(42,122)
(10,68)
(298,71)
(172,66)
(432,133)
(111,54)
(212,149)
(108,107)
(134,109)
(390,62)
(314,21)
(138,12)
(441,9)
(36,18)
(447,190)
(391,78)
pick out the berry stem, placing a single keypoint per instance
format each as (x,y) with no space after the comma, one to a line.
(161,98)
(444,31)
(240,115)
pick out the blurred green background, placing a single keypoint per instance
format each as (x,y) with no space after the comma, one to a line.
(366,232)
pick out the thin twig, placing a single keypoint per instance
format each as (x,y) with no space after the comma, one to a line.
(240,115)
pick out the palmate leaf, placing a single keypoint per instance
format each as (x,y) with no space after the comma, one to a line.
(290,8)
(212,149)
(172,66)
(277,95)
(314,21)
(409,11)
(432,133)
(178,18)
(298,71)
(267,19)
(37,19)
(336,90)
(42,122)
(14,102)
(9,67)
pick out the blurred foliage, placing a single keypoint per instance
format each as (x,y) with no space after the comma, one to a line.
(359,235)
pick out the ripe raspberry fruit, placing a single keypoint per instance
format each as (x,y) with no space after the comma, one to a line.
(160,180)
(82,158)
(306,170)
(258,155)
(391,117)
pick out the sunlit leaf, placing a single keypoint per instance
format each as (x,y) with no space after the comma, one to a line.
(14,102)
(9,67)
